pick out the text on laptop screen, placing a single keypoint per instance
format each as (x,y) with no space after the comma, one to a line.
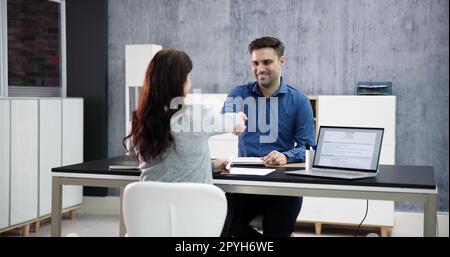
(348,148)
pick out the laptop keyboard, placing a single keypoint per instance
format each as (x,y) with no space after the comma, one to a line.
(334,172)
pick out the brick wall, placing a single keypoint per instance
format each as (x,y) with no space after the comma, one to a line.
(33,43)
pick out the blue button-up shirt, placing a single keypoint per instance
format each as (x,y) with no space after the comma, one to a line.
(288,123)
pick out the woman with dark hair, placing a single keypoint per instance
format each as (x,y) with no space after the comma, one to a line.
(167,149)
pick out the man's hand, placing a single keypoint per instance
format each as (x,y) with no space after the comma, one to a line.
(240,127)
(219,165)
(274,158)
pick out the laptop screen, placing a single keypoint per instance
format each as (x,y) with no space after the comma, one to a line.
(348,148)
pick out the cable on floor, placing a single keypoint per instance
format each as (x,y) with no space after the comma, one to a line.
(367,208)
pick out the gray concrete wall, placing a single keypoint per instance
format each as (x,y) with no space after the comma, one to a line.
(330,45)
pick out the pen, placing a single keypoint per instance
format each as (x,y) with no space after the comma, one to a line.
(229,163)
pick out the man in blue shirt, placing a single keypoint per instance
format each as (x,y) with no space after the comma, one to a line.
(280,122)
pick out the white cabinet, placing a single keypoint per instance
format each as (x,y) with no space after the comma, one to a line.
(61,143)
(72,139)
(49,149)
(24,161)
(356,111)
(36,135)
(346,211)
(362,111)
(4,162)
(222,145)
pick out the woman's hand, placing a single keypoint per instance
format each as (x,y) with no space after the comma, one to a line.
(219,165)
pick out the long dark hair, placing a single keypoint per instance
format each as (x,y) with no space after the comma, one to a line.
(164,80)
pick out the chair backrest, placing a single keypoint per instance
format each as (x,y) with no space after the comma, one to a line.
(173,209)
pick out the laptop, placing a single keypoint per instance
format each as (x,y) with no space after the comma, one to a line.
(345,153)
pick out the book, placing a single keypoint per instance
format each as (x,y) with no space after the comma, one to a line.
(249,171)
(247,161)
(124,165)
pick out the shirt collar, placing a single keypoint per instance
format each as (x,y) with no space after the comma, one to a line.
(281,90)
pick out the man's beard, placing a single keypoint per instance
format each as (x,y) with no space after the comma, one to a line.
(266,83)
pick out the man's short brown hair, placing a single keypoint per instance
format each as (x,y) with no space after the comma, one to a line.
(264,42)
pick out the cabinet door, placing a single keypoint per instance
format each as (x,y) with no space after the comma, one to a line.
(359,111)
(4,162)
(24,160)
(222,146)
(346,211)
(49,149)
(355,111)
(72,145)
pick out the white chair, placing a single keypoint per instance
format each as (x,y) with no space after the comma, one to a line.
(166,209)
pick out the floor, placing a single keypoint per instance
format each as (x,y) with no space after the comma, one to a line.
(94,225)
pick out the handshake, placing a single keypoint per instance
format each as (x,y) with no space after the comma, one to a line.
(240,126)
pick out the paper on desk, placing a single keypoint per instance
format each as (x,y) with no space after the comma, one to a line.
(248,160)
(246,171)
